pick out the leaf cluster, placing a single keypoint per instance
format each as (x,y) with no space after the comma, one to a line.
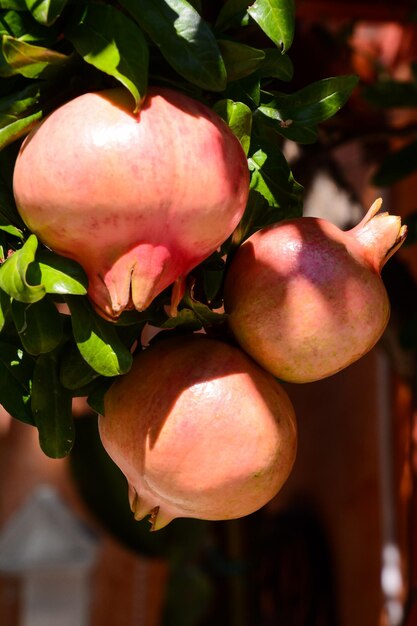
(231,55)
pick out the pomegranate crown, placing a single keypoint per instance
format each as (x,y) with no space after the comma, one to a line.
(379,235)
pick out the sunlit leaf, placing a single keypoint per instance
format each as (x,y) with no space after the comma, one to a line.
(114,44)
(46,11)
(19,128)
(184,38)
(13,274)
(30,61)
(97,340)
(57,274)
(238,117)
(276,18)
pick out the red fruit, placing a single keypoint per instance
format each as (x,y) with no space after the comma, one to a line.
(199,430)
(306,299)
(137,199)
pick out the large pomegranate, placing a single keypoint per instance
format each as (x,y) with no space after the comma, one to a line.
(306,299)
(199,430)
(137,199)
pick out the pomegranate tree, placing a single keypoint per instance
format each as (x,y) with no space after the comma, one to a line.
(306,299)
(199,430)
(138,199)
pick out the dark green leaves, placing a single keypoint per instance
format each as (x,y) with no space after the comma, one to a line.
(276,19)
(184,38)
(39,325)
(240,60)
(114,44)
(52,407)
(15,381)
(297,115)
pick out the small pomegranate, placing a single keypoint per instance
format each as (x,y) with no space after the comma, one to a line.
(137,199)
(306,299)
(199,430)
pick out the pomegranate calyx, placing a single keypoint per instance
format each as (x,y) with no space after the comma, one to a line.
(379,235)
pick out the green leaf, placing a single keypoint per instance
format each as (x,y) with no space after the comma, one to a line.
(111,42)
(21,102)
(10,230)
(276,18)
(19,112)
(13,274)
(15,381)
(30,61)
(240,60)
(296,116)
(52,407)
(39,325)
(276,65)
(75,371)
(57,274)
(396,166)
(316,102)
(18,129)
(274,194)
(233,13)
(238,117)
(97,340)
(46,11)
(20,24)
(184,38)
(272,178)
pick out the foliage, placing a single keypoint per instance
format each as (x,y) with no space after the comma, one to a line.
(234,57)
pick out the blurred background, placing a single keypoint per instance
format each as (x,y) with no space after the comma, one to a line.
(338,545)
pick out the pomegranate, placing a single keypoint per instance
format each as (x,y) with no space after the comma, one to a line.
(199,430)
(306,299)
(137,199)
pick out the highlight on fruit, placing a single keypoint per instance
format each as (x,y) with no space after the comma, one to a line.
(306,299)
(199,430)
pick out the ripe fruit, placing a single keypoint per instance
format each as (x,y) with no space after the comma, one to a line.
(137,199)
(305,299)
(199,430)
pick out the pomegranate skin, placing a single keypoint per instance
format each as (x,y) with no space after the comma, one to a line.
(137,199)
(199,430)
(306,299)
